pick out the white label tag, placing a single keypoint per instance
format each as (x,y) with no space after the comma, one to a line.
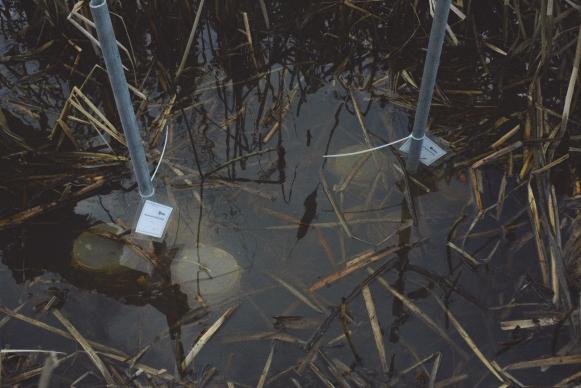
(430,150)
(153,219)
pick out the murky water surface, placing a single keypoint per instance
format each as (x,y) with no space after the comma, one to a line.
(260,118)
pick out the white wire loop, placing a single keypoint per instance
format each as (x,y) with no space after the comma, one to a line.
(369,149)
(162,153)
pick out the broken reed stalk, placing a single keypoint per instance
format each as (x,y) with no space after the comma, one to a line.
(190,40)
(361,261)
(314,343)
(497,154)
(266,369)
(104,350)
(264,14)
(421,315)
(86,347)
(569,95)
(492,366)
(298,294)
(378,337)
(206,337)
(546,362)
(248,34)
(25,215)
(50,363)
(536,226)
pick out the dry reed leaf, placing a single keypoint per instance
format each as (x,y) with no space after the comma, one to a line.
(451,381)
(86,347)
(544,362)
(162,373)
(497,154)
(315,341)
(344,183)
(298,294)
(533,323)
(16,351)
(434,372)
(377,336)
(364,130)
(501,196)
(492,367)
(206,337)
(94,41)
(350,4)
(190,39)
(325,246)
(50,364)
(337,374)
(421,315)
(348,372)
(569,95)
(161,121)
(100,121)
(504,138)
(248,34)
(264,14)
(476,189)
(281,113)
(336,209)
(359,262)
(566,382)
(264,336)
(290,322)
(470,259)
(25,215)
(326,382)
(457,11)
(266,369)
(13,314)
(548,166)
(68,133)
(453,36)
(418,363)
(536,225)
(572,253)
(495,48)
(7,318)
(527,165)
(408,78)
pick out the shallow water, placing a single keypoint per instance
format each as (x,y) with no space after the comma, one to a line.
(252,208)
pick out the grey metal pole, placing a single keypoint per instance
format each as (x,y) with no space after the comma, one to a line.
(108,42)
(437,35)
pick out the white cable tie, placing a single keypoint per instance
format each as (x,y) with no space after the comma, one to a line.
(417,138)
(368,149)
(162,153)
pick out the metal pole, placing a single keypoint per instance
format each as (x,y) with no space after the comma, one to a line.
(108,43)
(437,35)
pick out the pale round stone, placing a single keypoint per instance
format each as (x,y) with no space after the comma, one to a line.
(224,270)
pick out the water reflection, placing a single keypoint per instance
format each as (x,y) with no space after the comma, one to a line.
(248,121)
